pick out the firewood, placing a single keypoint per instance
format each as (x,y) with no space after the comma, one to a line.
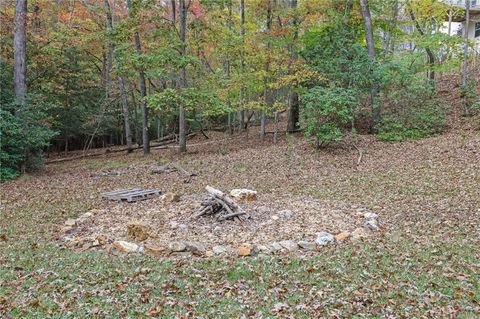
(221,206)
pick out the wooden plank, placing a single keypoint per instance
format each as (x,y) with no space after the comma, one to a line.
(131,195)
(141,195)
(120,191)
(124,195)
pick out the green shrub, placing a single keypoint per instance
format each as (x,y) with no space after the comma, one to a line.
(326,111)
(413,124)
(25,130)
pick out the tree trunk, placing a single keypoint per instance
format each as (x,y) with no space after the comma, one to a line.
(174,23)
(275,132)
(266,92)
(143,89)
(371,53)
(20,65)
(121,83)
(466,110)
(430,55)
(19,51)
(183,77)
(293,100)
(389,45)
(126,115)
(136,127)
(241,112)
(228,67)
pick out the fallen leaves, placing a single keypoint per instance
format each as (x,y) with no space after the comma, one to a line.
(423,263)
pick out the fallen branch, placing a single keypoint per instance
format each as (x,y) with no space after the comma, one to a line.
(109,151)
(174,168)
(360,154)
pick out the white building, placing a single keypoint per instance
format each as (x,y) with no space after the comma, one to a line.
(457,22)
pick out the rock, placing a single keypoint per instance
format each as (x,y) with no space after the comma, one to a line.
(85,217)
(138,231)
(274,217)
(153,250)
(218,250)
(71,223)
(263,249)
(307,245)
(183,254)
(244,194)
(69,230)
(171,197)
(209,253)
(370,215)
(196,248)
(182,226)
(125,246)
(276,246)
(286,213)
(175,225)
(177,246)
(245,250)
(359,234)
(342,236)
(324,238)
(371,224)
(289,245)
(101,239)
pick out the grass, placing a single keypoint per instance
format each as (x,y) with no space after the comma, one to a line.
(366,281)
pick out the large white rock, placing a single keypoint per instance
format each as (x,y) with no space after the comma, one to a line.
(243,194)
(286,213)
(276,246)
(125,246)
(217,250)
(177,246)
(370,215)
(289,245)
(307,245)
(371,224)
(324,238)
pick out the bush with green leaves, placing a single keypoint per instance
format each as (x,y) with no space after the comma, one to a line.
(199,104)
(326,112)
(25,130)
(414,123)
(410,109)
(330,101)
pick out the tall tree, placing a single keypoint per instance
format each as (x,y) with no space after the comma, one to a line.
(466,110)
(367,19)
(183,76)
(294,103)
(19,51)
(266,92)
(121,82)
(241,112)
(143,87)
(228,65)
(430,54)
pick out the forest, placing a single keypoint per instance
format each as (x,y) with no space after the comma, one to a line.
(103,73)
(239,158)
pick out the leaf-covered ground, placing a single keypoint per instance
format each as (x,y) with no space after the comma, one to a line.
(425,262)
